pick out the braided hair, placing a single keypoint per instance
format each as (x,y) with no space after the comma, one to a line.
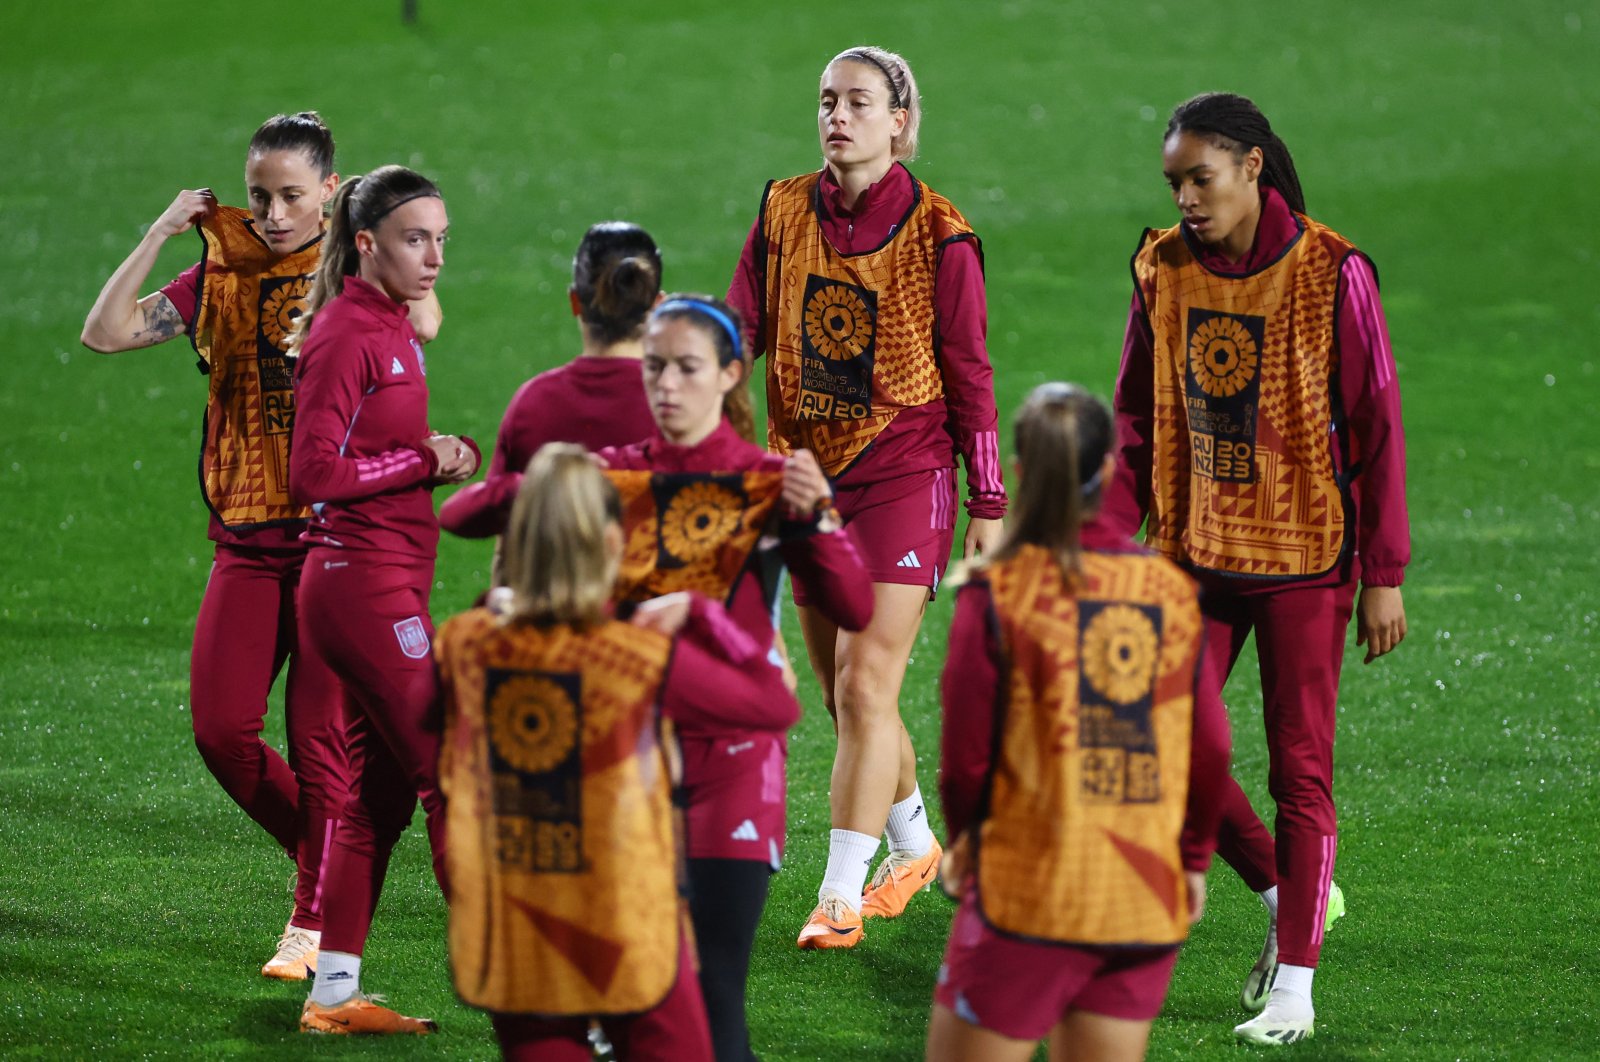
(1235,124)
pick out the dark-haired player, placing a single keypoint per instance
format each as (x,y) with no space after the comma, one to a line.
(238,306)
(1259,418)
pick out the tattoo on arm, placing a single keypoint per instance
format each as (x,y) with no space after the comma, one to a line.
(161,323)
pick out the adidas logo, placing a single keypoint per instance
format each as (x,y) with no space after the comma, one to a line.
(396,369)
(746,832)
(909,560)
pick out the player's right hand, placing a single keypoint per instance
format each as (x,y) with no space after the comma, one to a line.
(189,208)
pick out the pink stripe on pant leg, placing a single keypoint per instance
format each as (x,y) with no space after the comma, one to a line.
(330,828)
(1324,887)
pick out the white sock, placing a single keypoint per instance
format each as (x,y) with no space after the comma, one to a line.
(1270,898)
(849,858)
(908,826)
(338,978)
(1295,980)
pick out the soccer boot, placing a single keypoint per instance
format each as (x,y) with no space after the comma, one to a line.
(1287,1019)
(834,924)
(359,1014)
(1258,982)
(897,879)
(296,958)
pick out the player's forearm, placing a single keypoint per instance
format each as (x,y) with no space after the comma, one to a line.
(118,320)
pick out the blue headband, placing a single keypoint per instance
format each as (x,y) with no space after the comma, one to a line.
(1093,483)
(708,310)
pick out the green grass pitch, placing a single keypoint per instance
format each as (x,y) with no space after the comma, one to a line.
(1451,141)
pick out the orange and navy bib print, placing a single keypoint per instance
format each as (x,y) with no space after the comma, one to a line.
(1244,481)
(851,338)
(1087,793)
(249,302)
(691,531)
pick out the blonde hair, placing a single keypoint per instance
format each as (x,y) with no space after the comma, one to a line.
(556,562)
(1062,435)
(902,92)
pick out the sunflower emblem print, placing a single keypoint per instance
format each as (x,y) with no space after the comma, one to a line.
(1222,382)
(838,344)
(282,308)
(1119,653)
(533,723)
(699,520)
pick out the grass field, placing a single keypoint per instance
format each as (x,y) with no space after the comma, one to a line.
(1451,142)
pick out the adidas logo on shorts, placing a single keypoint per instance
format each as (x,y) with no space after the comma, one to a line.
(909,560)
(746,832)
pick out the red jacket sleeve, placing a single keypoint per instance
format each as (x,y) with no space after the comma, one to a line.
(972,696)
(331,379)
(962,314)
(1370,391)
(1127,499)
(747,290)
(831,569)
(183,291)
(720,679)
(1210,746)
(481,510)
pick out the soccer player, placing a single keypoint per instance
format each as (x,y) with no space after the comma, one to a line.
(1259,418)
(1080,775)
(865,290)
(705,509)
(366,458)
(558,765)
(596,399)
(238,306)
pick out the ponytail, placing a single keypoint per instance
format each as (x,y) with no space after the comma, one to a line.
(1062,436)
(360,205)
(1236,124)
(616,276)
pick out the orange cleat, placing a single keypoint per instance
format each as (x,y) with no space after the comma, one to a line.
(834,924)
(296,959)
(361,1014)
(897,879)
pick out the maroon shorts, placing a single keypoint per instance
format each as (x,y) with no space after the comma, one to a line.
(734,786)
(903,528)
(1022,989)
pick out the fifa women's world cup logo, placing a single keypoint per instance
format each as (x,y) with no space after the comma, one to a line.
(1222,386)
(536,759)
(1118,653)
(283,300)
(838,345)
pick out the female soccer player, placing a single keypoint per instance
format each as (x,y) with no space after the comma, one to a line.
(594,400)
(707,510)
(557,763)
(365,457)
(865,288)
(1080,774)
(238,306)
(1259,419)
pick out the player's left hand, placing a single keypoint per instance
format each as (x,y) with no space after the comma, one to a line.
(805,488)
(665,614)
(954,865)
(1197,894)
(983,537)
(1380,620)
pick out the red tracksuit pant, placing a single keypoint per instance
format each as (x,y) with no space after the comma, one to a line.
(674,1030)
(245,632)
(1300,636)
(366,614)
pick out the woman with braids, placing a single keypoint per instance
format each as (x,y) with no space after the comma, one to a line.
(365,458)
(1080,775)
(865,289)
(238,305)
(707,510)
(1259,419)
(594,400)
(558,763)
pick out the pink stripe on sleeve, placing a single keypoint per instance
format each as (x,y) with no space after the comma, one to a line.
(1366,312)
